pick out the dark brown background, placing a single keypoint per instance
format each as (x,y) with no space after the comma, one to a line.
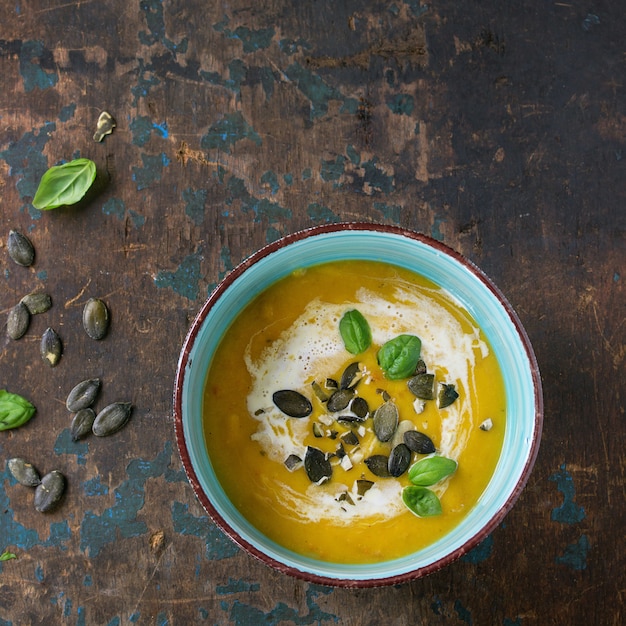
(498,128)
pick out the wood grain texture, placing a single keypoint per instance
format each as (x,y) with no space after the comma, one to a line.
(498,128)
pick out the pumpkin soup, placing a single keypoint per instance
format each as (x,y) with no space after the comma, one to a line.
(354,412)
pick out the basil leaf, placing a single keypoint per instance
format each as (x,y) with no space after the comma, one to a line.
(421,501)
(398,357)
(14,410)
(65,184)
(7,556)
(355,332)
(431,470)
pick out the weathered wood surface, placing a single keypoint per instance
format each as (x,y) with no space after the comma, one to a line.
(499,128)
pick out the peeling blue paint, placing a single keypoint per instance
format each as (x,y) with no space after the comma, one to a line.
(575,555)
(270,180)
(333,169)
(510,622)
(114,622)
(137,220)
(120,520)
(236,586)
(391,212)
(195,201)
(435,229)
(161,619)
(242,614)
(569,512)
(376,178)
(80,612)
(288,178)
(226,132)
(94,487)
(350,106)
(616,277)
(462,612)
(320,213)
(184,280)
(87,581)
(262,208)
(115,207)
(64,444)
(314,88)
(144,83)
(353,155)
(204,614)
(67,112)
(266,75)
(218,545)
(417,8)
(293,46)
(401,104)
(142,128)
(252,40)
(481,552)
(134,617)
(32,53)
(306,173)
(151,171)
(155,21)
(39,575)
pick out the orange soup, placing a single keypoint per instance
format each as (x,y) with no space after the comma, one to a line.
(329,481)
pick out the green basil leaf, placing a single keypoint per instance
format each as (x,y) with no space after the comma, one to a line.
(431,470)
(7,556)
(355,332)
(421,501)
(398,357)
(14,410)
(65,184)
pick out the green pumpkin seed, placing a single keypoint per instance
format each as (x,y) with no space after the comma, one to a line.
(446,396)
(363,486)
(51,347)
(20,248)
(339,400)
(399,460)
(18,321)
(378,464)
(317,466)
(422,386)
(350,377)
(419,442)
(49,492)
(293,462)
(385,421)
(82,423)
(83,395)
(37,302)
(96,318)
(111,419)
(292,403)
(23,472)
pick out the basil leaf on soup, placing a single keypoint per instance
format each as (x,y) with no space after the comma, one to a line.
(355,332)
(398,357)
(65,184)
(421,501)
(431,470)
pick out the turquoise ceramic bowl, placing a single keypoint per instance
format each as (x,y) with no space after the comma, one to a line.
(444,267)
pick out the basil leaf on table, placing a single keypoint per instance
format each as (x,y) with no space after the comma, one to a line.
(14,410)
(355,332)
(421,501)
(431,470)
(398,357)
(65,184)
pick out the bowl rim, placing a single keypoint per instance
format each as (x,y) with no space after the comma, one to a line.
(183,362)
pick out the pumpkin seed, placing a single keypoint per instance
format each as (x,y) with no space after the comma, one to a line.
(378,464)
(111,419)
(339,400)
(293,462)
(360,407)
(51,347)
(322,396)
(20,248)
(422,386)
(23,472)
(18,321)
(399,460)
(82,423)
(331,383)
(385,421)
(292,403)
(37,302)
(104,126)
(419,442)
(398,436)
(350,377)
(317,466)
(420,368)
(446,396)
(96,318)
(363,486)
(83,395)
(350,439)
(49,491)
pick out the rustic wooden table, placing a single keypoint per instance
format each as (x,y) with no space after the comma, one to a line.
(497,128)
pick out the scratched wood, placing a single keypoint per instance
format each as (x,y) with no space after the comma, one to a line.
(498,128)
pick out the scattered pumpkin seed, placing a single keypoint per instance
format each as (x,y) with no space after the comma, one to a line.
(322,396)
(49,491)
(350,377)
(419,442)
(96,318)
(360,407)
(51,347)
(23,472)
(378,464)
(420,368)
(385,421)
(446,396)
(111,419)
(399,460)
(18,321)
(292,403)
(422,386)
(82,423)
(318,431)
(37,302)
(350,438)
(20,248)
(339,400)
(317,466)
(398,436)
(331,383)
(293,462)
(83,395)
(363,486)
